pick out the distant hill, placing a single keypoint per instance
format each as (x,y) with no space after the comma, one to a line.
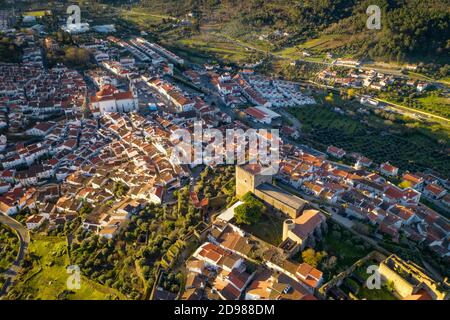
(410,28)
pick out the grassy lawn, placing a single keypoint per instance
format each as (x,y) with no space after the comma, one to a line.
(141,16)
(269,228)
(47,278)
(214,46)
(436,104)
(375,294)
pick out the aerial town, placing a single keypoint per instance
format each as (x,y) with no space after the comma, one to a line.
(88,177)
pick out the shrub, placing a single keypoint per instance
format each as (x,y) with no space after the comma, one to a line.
(247,214)
(336,234)
(313,258)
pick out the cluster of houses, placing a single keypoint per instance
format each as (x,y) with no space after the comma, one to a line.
(172,93)
(160,53)
(147,52)
(371,79)
(110,166)
(73,163)
(368,196)
(56,150)
(258,90)
(120,149)
(223,268)
(78,164)
(30,93)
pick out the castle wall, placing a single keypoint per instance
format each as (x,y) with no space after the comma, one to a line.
(293,213)
(402,287)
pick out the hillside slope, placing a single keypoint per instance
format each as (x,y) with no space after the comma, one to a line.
(410,28)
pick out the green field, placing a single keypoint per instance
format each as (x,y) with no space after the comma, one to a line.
(326,42)
(375,294)
(47,278)
(436,104)
(201,47)
(372,294)
(141,16)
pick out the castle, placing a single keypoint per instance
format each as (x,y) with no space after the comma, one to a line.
(410,281)
(302,226)
(256,179)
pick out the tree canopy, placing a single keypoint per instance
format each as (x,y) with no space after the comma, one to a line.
(250,211)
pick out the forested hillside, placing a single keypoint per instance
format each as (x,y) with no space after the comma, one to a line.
(410,28)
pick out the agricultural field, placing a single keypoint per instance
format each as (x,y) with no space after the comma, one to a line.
(432,102)
(9,247)
(379,140)
(315,46)
(46,277)
(436,104)
(38,13)
(201,48)
(141,17)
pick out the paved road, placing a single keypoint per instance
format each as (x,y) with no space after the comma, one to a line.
(24,238)
(296,124)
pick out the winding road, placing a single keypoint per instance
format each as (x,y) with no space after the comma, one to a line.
(24,238)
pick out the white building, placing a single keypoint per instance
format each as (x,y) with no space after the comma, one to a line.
(110,99)
(262,114)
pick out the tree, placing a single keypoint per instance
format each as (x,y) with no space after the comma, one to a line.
(120,189)
(390,286)
(405,184)
(329,263)
(247,213)
(350,93)
(361,228)
(313,258)
(250,211)
(85,209)
(329,98)
(247,197)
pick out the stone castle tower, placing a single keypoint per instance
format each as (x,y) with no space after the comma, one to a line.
(288,225)
(248,177)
